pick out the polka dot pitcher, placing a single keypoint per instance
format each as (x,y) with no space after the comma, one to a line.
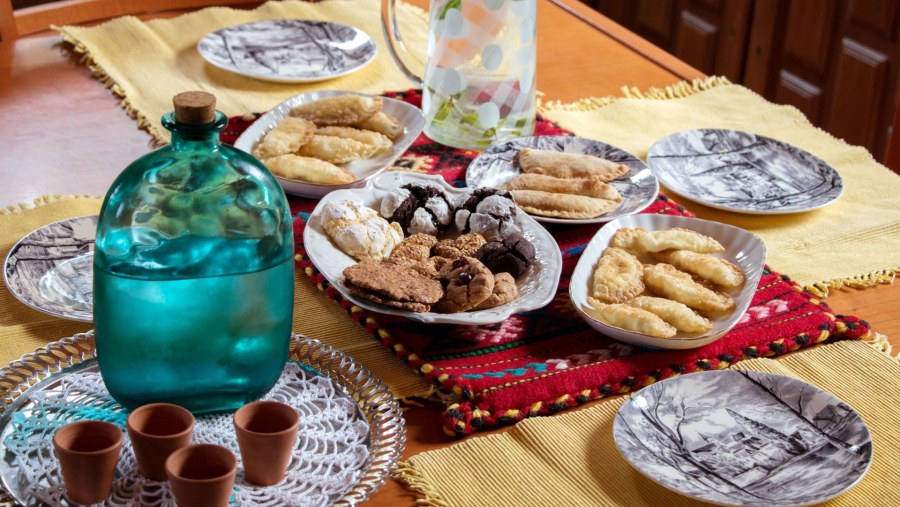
(479,83)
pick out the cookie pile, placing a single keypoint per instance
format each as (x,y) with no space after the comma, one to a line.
(686,283)
(318,137)
(565,185)
(424,252)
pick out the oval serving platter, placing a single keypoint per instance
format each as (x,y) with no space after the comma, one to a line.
(743,172)
(744,438)
(51,268)
(639,187)
(288,50)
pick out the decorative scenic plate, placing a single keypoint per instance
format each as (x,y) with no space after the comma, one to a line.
(352,430)
(288,50)
(536,287)
(743,172)
(744,438)
(51,269)
(408,115)
(638,187)
(743,249)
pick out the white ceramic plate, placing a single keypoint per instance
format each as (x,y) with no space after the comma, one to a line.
(638,187)
(742,248)
(51,268)
(536,287)
(288,50)
(744,439)
(743,172)
(410,116)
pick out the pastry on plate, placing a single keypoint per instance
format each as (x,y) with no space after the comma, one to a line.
(549,204)
(618,277)
(714,269)
(337,150)
(287,137)
(569,165)
(666,281)
(383,124)
(678,239)
(348,109)
(378,141)
(631,318)
(675,313)
(578,186)
(308,169)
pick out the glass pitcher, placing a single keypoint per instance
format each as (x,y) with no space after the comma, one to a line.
(479,82)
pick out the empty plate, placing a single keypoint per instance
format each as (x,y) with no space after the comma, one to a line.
(288,50)
(744,438)
(638,186)
(51,269)
(743,172)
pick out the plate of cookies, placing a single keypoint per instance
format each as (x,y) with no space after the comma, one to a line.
(327,140)
(667,281)
(411,245)
(566,179)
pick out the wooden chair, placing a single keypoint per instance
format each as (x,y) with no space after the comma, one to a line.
(20,22)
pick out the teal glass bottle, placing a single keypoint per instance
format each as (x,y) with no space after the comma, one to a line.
(193,271)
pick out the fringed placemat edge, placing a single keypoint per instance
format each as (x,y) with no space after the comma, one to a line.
(880,277)
(677,90)
(42,200)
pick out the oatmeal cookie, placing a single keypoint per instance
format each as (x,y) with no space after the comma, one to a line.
(463,246)
(467,283)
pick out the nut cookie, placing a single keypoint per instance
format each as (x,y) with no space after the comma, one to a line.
(505,290)
(463,246)
(393,285)
(415,248)
(467,283)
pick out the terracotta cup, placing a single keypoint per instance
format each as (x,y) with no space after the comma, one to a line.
(88,452)
(266,431)
(157,430)
(202,475)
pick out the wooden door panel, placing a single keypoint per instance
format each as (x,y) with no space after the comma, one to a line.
(805,96)
(654,20)
(696,41)
(879,16)
(810,24)
(858,92)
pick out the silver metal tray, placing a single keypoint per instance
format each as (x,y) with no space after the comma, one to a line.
(44,369)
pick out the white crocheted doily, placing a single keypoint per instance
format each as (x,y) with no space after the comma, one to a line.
(328,456)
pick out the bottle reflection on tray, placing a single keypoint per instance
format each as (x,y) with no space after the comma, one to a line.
(193,273)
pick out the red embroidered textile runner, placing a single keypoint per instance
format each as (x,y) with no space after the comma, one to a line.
(544,361)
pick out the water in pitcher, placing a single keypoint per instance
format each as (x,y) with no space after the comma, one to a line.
(479,85)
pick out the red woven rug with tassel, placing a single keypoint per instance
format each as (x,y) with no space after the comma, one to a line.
(544,361)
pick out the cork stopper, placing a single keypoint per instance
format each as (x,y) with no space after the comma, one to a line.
(195,108)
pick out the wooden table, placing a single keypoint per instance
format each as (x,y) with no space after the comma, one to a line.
(63,132)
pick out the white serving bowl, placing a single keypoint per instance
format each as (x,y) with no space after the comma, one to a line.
(742,248)
(410,116)
(536,287)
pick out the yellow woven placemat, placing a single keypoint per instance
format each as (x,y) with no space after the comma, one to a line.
(23,329)
(850,242)
(147,63)
(571,459)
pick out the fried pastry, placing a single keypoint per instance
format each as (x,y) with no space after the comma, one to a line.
(348,109)
(626,238)
(631,318)
(577,186)
(549,204)
(569,165)
(383,124)
(675,313)
(678,239)
(287,137)
(310,170)
(665,280)
(617,277)
(337,150)
(708,267)
(379,141)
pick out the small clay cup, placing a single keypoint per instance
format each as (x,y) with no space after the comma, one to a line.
(88,452)
(266,431)
(202,475)
(157,430)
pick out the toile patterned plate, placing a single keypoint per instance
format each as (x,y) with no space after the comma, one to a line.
(409,116)
(536,287)
(744,439)
(638,187)
(743,172)
(51,268)
(353,437)
(289,50)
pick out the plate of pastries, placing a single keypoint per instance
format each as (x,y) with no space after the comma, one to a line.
(566,179)
(327,140)
(410,244)
(667,281)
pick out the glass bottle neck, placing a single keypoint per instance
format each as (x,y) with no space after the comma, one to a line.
(194,137)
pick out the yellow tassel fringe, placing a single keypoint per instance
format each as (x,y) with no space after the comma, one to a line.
(42,200)
(822,289)
(676,91)
(414,481)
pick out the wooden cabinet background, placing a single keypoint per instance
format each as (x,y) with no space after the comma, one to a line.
(835,60)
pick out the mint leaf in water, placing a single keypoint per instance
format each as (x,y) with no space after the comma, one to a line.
(452,4)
